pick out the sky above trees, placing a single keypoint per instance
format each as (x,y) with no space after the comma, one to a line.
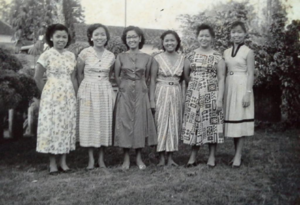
(161,14)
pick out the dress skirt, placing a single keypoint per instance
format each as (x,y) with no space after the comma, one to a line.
(239,121)
(95,111)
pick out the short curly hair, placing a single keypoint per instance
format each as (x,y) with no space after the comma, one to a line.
(205,27)
(138,31)
(175,34)
(238,23)
(92,28)
(51,29)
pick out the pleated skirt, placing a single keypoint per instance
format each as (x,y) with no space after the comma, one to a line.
(96,100)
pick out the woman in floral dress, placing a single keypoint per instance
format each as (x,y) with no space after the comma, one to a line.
(56,133)
(168,96)
(203,118)
(95,95)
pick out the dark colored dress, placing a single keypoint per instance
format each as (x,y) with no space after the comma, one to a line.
(134,121)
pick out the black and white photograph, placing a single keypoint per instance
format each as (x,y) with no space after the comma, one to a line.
(118,102)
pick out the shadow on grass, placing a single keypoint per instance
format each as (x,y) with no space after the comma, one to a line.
(269,175)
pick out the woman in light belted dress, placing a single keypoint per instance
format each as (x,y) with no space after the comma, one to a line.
(96,97)
(134,127)
(168,75)
(56,134)
(203,116)
(239,99)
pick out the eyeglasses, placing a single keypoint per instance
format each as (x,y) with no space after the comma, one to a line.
(131,37)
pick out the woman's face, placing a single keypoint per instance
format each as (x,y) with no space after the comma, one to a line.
(204,38)
(99,37)
(60,39)
(170,43)
(237,35)
(132,39)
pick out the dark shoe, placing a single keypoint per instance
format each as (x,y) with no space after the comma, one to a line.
(64,170)
(188,165)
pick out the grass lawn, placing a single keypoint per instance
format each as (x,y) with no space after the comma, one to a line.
(270,174)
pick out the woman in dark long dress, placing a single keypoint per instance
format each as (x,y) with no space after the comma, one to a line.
(134,125)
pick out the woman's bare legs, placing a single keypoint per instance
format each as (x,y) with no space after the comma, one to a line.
(101,158)
(170,160)
(63,162)
(139,160)
(193,155)
(162,160)
(212,152)
(52,164)
(91,164)
(238,142)
(126,161)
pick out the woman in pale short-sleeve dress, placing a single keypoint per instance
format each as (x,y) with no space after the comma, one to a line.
(56,134)
(95,95)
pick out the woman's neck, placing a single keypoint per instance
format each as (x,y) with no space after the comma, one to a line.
(59,50)
(205,50)
(99,49)
(173,53)
(134,50)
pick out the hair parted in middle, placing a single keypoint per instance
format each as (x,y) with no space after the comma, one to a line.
(138,31)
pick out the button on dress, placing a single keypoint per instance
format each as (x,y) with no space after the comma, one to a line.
(96,100)
(135,125)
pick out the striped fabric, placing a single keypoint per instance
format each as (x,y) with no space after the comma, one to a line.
(95,100)
(168,103)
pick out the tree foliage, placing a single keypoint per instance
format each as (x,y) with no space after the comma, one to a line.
(276,47)
(16,90)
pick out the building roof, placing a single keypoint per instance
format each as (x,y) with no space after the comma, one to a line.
(150,34)
(6,29)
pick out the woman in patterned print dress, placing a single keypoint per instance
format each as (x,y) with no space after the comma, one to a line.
(168,96)
(56,133)
(203,118)
(95,95)
(239,99)
(134,121)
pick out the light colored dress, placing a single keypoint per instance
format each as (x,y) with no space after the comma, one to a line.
(239,121)
(134,120)
(168,99)
(56,132)
(202,123)
(96,99)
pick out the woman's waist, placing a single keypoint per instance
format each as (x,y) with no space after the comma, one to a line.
(236,72)
(168,80)
(96,77)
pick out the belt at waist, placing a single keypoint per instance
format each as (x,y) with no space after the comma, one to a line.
(99,76)
(168,82)
(237,73)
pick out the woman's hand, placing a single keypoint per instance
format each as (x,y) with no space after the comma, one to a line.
(219,105)
(246,100)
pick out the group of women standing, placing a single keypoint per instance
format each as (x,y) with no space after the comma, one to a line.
(148,108)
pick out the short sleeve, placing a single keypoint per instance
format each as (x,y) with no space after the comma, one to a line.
(82,55)
(43,59)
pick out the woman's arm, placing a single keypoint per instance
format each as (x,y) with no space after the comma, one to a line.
(250,78)
(117,71)
(186,72)
(38,76)
(80,71)
(153,75)
(74,80)
(221,84)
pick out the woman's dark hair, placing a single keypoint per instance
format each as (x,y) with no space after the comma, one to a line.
(162,37)
(138,31)
(92,28)
(238,23)
(205,27)
(52,29)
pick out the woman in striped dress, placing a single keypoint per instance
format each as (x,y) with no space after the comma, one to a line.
(239,99)
(168,96)
(203,118)
(95,96)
